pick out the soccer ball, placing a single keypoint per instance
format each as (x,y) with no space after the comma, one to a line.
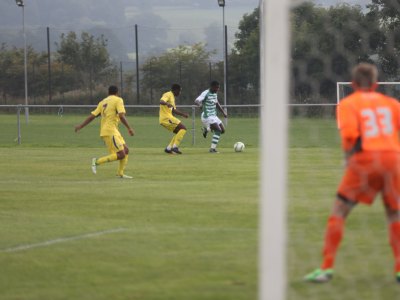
(238,147)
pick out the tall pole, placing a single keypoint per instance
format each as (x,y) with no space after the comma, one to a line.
(151,80)
(62,77)
(121,79)
(209,68)
(25,66)
(224,52)
(226,67)
(137,64)
(49,63)
(180,72)
(91,76)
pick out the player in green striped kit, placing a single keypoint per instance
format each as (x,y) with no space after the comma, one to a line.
(208,100)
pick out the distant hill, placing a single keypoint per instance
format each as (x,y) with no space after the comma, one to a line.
(351,2)
(162,23)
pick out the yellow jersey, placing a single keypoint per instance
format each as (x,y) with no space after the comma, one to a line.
(165,111)
(109,108)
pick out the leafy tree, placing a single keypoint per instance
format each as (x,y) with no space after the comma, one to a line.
(12,76)
(388,13)
(88,56)
(326,44)
(12,83)
(186,65)
(244,62)
(6,63)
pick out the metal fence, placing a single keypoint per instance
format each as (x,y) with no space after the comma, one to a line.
(50,81)
(23,112)
(236,111)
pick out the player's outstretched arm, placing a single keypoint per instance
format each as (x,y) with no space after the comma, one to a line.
(89,119)
(162,102)
(199,103)
(125,122)
(222,110)
(180,113)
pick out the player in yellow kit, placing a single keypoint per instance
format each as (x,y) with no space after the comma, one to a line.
(171,123)
(112,111)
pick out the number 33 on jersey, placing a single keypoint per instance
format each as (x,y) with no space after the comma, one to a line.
(371,119)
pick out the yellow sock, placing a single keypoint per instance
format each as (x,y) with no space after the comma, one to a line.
(122,165)
(108,158)
(179,137)
(172,142)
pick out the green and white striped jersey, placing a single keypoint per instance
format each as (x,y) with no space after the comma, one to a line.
(209,102)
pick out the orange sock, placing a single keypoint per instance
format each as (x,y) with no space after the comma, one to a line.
(333,236)
(394,236)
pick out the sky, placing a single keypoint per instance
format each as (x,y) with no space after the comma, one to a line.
(352,2)
(86,13)
(107,12)
(162,23)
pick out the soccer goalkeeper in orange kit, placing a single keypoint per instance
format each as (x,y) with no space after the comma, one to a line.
(369,124)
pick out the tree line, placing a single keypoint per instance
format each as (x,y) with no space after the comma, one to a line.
(326,43)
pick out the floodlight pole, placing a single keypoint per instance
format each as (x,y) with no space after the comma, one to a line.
(224,49)
(20,3)
(25,67)
(137,64)
(221,3)
(121,74)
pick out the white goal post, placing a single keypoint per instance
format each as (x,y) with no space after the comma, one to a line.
(274,56)
(275,50)
(340,93)
(339,96)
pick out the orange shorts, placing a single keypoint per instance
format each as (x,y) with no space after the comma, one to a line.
(369,173)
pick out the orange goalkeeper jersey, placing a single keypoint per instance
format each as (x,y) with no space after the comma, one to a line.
(369,121)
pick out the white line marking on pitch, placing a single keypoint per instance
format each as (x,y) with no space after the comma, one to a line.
(62,240)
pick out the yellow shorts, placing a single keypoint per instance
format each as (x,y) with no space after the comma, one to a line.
(114,143)
(171,123)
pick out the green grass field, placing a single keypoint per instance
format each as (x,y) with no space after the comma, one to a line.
(186,227)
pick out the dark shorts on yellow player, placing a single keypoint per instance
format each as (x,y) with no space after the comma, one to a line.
(114,143)
(171,123)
